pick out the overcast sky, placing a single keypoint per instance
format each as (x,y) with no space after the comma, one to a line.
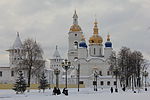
(48,21)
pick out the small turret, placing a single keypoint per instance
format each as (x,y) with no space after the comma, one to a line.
(108,48)
(82,50)
(108,43)
(83,43)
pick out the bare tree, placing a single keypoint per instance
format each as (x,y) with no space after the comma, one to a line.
(31,59)
(129,66)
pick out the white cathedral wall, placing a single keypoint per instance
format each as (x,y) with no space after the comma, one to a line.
(87,68)
(98,50)
(72,54)
(82,52)
(107,52)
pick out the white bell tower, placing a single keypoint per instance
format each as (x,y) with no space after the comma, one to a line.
(75,36)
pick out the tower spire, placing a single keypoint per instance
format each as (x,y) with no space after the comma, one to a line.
(108,37)
(75,18)
(95,29)
(56,47)
(17,34)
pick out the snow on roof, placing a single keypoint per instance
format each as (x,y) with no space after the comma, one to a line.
(56,54)
(17,44)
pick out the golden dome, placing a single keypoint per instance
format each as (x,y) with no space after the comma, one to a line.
(75,28)
(95,38)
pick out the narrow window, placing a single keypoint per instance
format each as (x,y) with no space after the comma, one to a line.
(94,51)
(1,73)
(12,73)
(108,73)
(100,73)
(102,82)
(100,51)
(108,82)
(115,83)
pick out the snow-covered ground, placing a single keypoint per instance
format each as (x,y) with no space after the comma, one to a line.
(83,94)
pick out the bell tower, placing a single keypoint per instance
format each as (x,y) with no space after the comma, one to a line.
(75,36)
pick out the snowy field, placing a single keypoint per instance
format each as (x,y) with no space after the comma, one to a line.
(83,94)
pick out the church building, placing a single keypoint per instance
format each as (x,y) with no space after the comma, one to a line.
(91,58)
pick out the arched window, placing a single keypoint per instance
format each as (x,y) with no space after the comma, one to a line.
(76,44)
(108,72)
(75,57)
(100,73)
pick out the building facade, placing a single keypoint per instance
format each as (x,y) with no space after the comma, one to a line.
(92,57)
(10,74)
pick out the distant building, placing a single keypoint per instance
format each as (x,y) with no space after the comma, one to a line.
(9,74)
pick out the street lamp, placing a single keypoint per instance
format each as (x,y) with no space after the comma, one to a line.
(57,72)
(78,75)
(66,65)
(145,74)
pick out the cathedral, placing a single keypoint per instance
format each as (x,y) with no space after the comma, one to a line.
(92,57)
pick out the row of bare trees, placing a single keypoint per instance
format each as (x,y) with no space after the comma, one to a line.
(128,66)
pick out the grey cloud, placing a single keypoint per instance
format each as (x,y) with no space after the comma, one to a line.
(48,21)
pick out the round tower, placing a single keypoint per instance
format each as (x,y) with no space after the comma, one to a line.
(95,43)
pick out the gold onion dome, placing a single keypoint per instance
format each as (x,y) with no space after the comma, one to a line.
(75,28)
(95,39)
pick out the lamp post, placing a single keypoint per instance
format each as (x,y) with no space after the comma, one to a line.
(57,72)
(78,75)
(145,75)
(66,65)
